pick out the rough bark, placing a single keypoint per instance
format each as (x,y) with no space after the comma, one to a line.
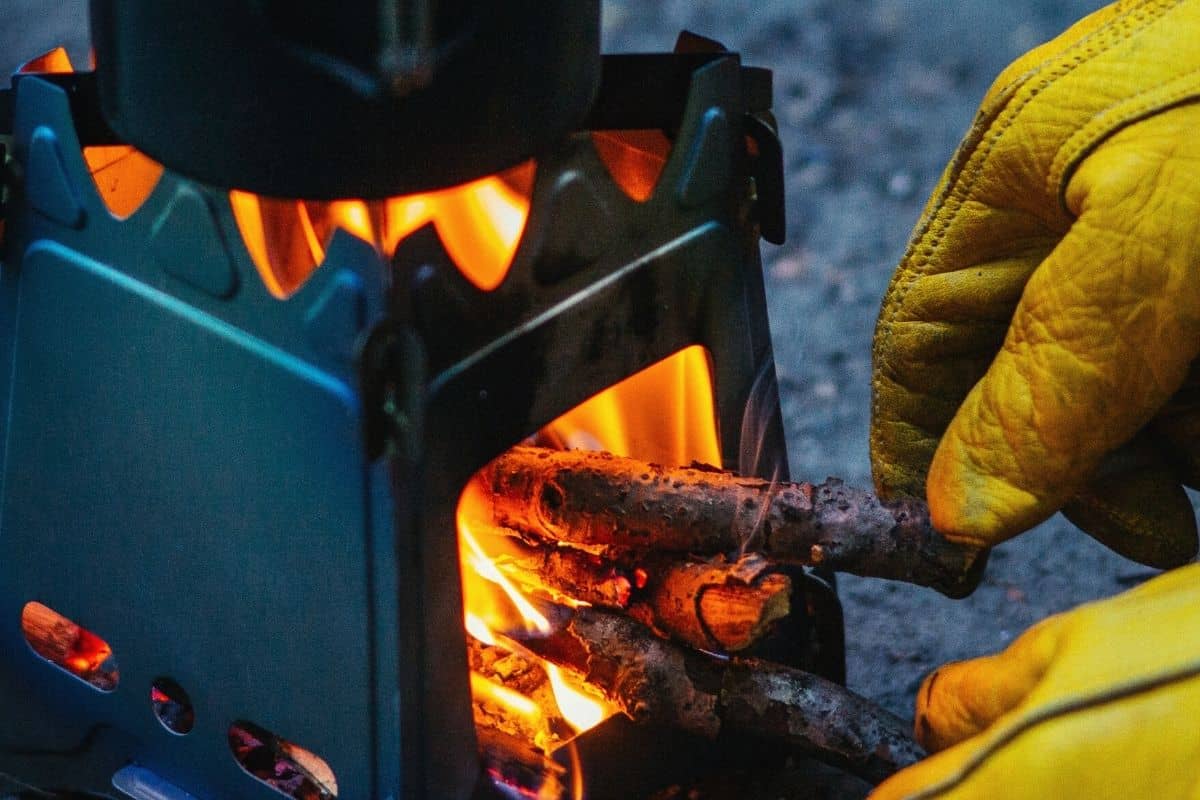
(711,604)
(654,681)
(590,499)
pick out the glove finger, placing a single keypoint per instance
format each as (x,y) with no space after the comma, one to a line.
(934,341)
(1102,337)
(960,699)
(1135,506)
(1139,746)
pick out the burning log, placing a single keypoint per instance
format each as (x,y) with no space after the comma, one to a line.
(587,499)
(654,681)
(716,605)
(712,604)
(70,646)
(513,763)
(512,695)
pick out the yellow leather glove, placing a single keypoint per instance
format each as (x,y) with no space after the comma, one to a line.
(1047,310)
(1099,702)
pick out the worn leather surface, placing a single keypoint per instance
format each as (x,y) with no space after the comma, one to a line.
(1033,347)
(1098,702)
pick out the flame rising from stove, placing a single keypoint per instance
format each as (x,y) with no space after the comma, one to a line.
(580,710)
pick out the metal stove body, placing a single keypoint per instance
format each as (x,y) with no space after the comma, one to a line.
(255,497)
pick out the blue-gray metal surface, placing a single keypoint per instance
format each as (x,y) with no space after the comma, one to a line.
(185,475)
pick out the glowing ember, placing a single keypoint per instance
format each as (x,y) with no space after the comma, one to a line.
(482,688)
(69,645)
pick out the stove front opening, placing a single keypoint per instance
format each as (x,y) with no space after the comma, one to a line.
(528,710)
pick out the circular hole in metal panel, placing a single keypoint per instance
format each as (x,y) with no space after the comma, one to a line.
(172,706)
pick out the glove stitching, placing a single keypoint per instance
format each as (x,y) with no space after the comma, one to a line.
(1121,9)
(977,159)
(1050,713)
(1159,98)
(969,163)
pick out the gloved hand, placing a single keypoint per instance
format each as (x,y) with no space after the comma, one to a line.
(1099,702)
(1047,311)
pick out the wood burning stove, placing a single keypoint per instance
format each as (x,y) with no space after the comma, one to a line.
(230,483)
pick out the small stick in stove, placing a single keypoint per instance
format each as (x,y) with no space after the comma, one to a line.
(711,604)
(589,499)
(654,681)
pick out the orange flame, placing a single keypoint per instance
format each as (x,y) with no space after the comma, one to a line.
(582,711)
(124,177)
(479,223)
(49,62)
(664,413)
(481,687)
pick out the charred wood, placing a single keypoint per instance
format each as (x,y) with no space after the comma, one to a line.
(654,681)
(711,604)
(589,499)
(512,762)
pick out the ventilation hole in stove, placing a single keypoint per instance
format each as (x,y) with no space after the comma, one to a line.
(70,646)
(172,706)
(634,158)
(124,177)
(286,767)
(49,62)
(480,224)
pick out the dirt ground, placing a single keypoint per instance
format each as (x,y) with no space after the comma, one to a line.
(872,96)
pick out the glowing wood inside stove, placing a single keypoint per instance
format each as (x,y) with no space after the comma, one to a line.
(70,646)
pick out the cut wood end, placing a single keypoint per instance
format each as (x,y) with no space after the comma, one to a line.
(737,616)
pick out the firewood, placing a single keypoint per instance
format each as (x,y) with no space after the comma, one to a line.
(589,499)
(75,649)
(657,682)
(524,769)
(563,574)
(715,604)
(521,679)
(711,604)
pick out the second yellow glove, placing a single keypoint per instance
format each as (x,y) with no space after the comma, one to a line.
(1099,702)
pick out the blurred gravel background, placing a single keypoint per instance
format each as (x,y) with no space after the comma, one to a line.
(872,97)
